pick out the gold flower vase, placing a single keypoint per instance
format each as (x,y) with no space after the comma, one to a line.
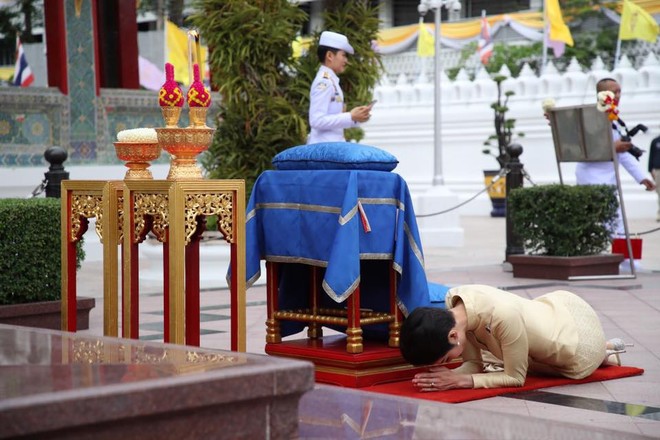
(197,116)
(171,116)
(137,156)
(184,145)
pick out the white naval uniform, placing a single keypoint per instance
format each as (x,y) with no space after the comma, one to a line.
(327,117)
(597,173)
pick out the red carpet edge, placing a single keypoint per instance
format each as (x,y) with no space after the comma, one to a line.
(406,389)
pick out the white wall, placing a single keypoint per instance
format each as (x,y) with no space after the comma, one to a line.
(402,123)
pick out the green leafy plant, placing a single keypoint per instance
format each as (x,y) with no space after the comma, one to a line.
(30,251)
(264,89)
(514,56)
(504,126)
(358,20)
(468,51)
(563,220)
(252,67)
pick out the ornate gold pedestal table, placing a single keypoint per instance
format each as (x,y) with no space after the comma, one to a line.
(172,210)
(81,201)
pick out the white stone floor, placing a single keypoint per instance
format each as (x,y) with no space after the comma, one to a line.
(629,309)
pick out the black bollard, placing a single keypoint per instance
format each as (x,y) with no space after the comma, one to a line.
(55,174)
(514,179)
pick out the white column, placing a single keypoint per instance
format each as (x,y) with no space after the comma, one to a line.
(444,229)
(385,14)
(535,4)
(316,16)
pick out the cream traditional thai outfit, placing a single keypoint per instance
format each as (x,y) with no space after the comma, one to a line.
(557,333)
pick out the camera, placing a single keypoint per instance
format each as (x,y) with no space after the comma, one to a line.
(634,150)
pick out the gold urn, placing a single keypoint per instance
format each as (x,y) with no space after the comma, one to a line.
(184,145)
(137,156)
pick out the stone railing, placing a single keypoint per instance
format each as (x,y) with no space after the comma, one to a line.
(403,124)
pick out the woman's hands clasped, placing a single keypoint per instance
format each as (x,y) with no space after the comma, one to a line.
(441,378)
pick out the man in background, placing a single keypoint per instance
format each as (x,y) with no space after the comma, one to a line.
(654,168)
(595,173)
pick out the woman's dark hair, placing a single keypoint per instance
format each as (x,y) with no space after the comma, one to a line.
(425,335)
(322,50)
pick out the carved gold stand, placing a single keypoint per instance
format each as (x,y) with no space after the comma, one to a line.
(171,210)
(82,200)
(174,210)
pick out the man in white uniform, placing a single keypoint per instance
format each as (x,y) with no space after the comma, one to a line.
(594,173)
(327,115)
(654,168)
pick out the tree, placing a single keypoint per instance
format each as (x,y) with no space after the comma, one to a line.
(21,18)
(252,67)
(264,90)
(170,9)
(358,20)
(514,57)
(593,33)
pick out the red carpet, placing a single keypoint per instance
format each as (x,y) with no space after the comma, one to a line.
(406,389)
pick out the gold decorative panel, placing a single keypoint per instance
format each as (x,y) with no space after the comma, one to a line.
(85,206)
(156,206)
(220,204)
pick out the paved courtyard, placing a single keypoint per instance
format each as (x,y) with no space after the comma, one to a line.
(629,308)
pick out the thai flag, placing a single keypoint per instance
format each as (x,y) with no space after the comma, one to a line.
(485,47)
(23,76)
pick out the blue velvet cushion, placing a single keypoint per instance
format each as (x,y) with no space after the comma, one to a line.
(335,156)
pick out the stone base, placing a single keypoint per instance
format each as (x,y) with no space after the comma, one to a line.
(443,230)
(45,314)
(108,388)
(563,268)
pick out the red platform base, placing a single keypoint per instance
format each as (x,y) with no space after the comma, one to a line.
(377,364)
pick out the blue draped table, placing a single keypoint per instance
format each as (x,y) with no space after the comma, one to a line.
(313,218)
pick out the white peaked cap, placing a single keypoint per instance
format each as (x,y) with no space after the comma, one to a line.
(335,41)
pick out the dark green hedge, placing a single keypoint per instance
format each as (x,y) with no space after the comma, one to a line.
(30,268)
(563,220)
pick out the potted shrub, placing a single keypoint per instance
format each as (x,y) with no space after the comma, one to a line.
(496,146)
(30,269)
(564,230)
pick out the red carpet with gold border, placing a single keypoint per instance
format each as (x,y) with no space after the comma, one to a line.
(406,389)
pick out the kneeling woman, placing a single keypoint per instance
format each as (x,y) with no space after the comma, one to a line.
(555,334)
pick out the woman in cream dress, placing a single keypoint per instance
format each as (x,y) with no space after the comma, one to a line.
(556,334)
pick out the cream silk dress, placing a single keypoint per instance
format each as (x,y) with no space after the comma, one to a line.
(557,333)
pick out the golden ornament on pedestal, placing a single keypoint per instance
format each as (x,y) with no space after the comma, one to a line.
(171,116)
(137,156)
(184,145)
(197,116)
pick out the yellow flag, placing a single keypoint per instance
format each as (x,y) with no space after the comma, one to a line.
(637,24)
(176,43)
(425,42)
(177,51)
(558,29)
